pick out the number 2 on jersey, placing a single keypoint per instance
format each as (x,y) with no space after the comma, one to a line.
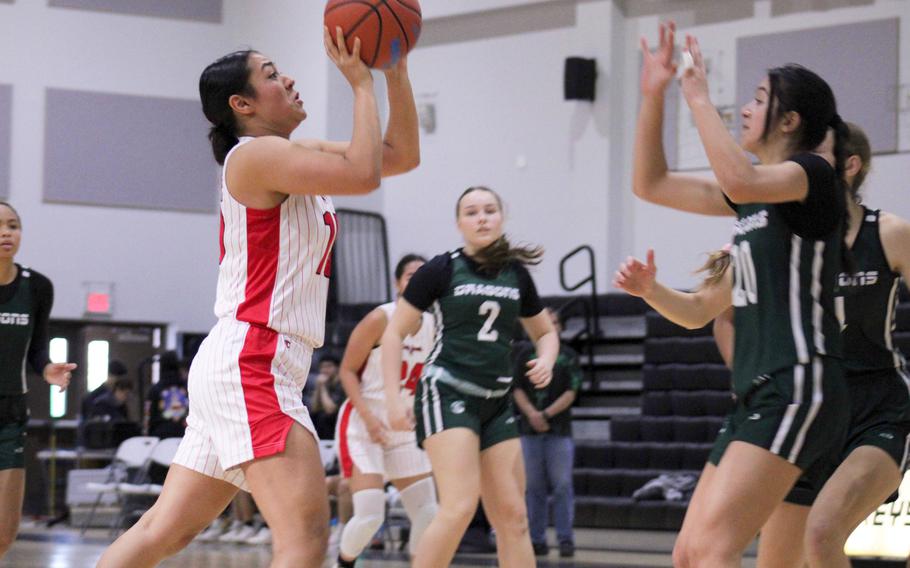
(491,310)
(325,265)
(745,283)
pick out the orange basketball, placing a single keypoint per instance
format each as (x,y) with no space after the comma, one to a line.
(388,29)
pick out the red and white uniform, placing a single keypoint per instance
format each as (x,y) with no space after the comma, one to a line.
(246,381)
(400,456)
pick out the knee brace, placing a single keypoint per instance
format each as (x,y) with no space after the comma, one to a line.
(369,513)
(419,500)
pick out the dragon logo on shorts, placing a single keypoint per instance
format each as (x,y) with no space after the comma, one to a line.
(457,407)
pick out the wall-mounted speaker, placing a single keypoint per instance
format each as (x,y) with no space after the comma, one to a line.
(580,78)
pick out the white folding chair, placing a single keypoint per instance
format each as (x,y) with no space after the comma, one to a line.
(162,455)
(327,453)
(133,493)
(131,458)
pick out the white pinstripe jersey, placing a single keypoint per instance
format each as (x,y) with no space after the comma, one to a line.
(276,263)
(415,349)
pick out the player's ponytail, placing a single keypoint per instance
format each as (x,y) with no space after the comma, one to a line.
(226,77)
(500,253)
(715,267)
(857,144)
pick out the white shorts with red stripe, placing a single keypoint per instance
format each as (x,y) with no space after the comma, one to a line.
(400,457)
(245,389)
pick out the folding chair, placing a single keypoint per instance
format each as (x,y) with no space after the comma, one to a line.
(132,457)
(162,455)
(327,453)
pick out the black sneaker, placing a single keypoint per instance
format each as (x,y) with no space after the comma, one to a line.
(566,549)
(540,548)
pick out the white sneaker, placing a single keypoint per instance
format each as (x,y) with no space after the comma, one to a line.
(335,540)
(239,534)
(263,536)
(215,530)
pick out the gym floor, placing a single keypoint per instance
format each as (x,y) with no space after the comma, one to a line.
(39,547)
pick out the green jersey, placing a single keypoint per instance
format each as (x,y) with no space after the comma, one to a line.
(476,315)
(786,258)
(25,306)
(869,303)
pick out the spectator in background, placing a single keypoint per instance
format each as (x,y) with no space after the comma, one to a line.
(111,405)
(325,397)
(546,441)
(115,370)
(167,401)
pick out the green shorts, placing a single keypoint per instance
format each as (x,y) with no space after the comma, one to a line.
(879,416)
(799,414)
(439,406)
(12,445)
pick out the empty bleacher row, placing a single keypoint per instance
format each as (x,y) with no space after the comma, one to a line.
(685,392)
(684,395)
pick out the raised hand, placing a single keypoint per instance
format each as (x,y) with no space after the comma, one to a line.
(658,68)
(350,64)
(59,374)
(400,68)
(635,277)
(694,80)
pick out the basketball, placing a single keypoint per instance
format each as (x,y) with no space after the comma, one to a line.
(388,29)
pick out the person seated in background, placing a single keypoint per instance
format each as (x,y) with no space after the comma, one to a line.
(167,401)
(115,370)
(546,441)
(111,406)
(325,396)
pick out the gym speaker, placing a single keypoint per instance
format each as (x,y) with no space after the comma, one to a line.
(580,78)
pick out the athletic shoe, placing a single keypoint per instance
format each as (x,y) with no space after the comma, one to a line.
(240,534)
(566,549)
(263,536)
(215,530)
(540,548)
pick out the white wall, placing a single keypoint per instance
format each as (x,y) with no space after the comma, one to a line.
(498,99)
(444,8)
(680,239)
(502,121)
(163,264)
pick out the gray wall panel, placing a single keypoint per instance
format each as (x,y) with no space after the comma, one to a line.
(858,60)
(201,10)
(129,151)
(6,134)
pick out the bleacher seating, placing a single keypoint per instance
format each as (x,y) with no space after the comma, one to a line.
(685,393)
(653,401)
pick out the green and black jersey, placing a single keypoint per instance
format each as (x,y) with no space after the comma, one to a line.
(786,259)
(25,307)
(475,315)
(869,299)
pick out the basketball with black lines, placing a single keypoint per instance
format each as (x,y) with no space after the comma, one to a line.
(388,29)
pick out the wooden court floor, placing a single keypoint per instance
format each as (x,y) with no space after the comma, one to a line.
(38,547)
